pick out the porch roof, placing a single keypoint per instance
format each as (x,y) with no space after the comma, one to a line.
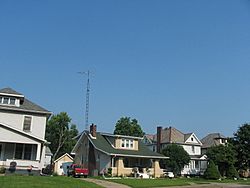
(102,144)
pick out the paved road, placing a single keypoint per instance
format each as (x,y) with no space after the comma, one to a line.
(106,184)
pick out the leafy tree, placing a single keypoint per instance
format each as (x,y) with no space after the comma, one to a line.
(241,143)
(59,133)
(232,172)
(178,157)
(223,156)
(212,171)
(125,126)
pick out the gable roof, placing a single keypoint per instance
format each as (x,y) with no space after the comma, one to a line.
(212,140)
(102,143)
(25,106)
(64,155)
(173,135)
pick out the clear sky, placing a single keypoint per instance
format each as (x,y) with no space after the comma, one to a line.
(179,63)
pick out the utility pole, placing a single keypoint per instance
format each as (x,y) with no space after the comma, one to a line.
(87,100)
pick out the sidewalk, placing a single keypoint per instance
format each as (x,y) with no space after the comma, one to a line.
(106,184)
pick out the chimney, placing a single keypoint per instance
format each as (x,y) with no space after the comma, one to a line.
(158,142)
(93,130)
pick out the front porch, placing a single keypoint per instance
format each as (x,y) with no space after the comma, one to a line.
(126,166)
(23,156)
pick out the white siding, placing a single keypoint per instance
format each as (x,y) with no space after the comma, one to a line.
(189,149)
(38,124)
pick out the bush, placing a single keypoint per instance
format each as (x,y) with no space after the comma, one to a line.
(232,172)
(212,171)
(2,170)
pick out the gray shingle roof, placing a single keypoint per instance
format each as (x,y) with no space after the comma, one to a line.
(101,143)
(9,91)
(211,140)
(25,104)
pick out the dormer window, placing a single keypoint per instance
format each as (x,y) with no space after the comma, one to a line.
(127,143)
(8,100)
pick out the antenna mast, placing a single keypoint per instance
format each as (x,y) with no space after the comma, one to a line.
(87,101)
(87,104)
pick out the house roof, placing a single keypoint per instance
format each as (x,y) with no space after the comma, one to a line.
(102,143)
(64,155)
(48,151)
(10,91)
(173,135)
(212,139)
(25,105)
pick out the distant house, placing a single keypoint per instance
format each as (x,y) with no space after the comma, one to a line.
(102,152)
(22,132)
(48,156)
(61,164)
(189,142)
(212,139)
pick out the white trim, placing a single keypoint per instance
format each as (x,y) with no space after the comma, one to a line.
(199,142)
(22,132)
(24,110)
(66,154)
(13,95)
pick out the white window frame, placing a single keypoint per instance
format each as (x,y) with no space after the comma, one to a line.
(127,143)
(31,120)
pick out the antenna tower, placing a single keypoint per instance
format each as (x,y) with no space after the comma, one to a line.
(87,101)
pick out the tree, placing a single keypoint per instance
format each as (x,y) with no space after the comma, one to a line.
(223,156)
(125,126)
(212,171)
(178,157)
(59,133)
(241,143)
(232,172)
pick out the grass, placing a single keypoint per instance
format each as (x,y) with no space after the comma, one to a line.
(44,182)
(139,183)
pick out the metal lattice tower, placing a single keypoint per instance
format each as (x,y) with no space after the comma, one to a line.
(87,101)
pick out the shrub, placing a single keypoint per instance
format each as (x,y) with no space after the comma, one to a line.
(232,172)
(2,170)
(212,171)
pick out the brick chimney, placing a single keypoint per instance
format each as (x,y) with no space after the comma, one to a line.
(92,130)
(158,141)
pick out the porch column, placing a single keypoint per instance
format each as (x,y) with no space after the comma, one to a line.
(38,152)
(120,166)
(157,169)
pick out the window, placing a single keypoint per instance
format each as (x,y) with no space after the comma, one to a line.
(127,143)
(196,164)
(193,149)
(192,139)
(23,151)
(0,150)
(27,123)
(5,100)
(12,101)
(19,151)
(27,151)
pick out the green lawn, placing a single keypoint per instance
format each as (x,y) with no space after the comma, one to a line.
(43,182)
(139,183)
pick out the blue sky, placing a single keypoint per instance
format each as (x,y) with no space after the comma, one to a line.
(179,63)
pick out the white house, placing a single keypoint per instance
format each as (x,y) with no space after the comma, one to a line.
(189,142)
(22,132)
